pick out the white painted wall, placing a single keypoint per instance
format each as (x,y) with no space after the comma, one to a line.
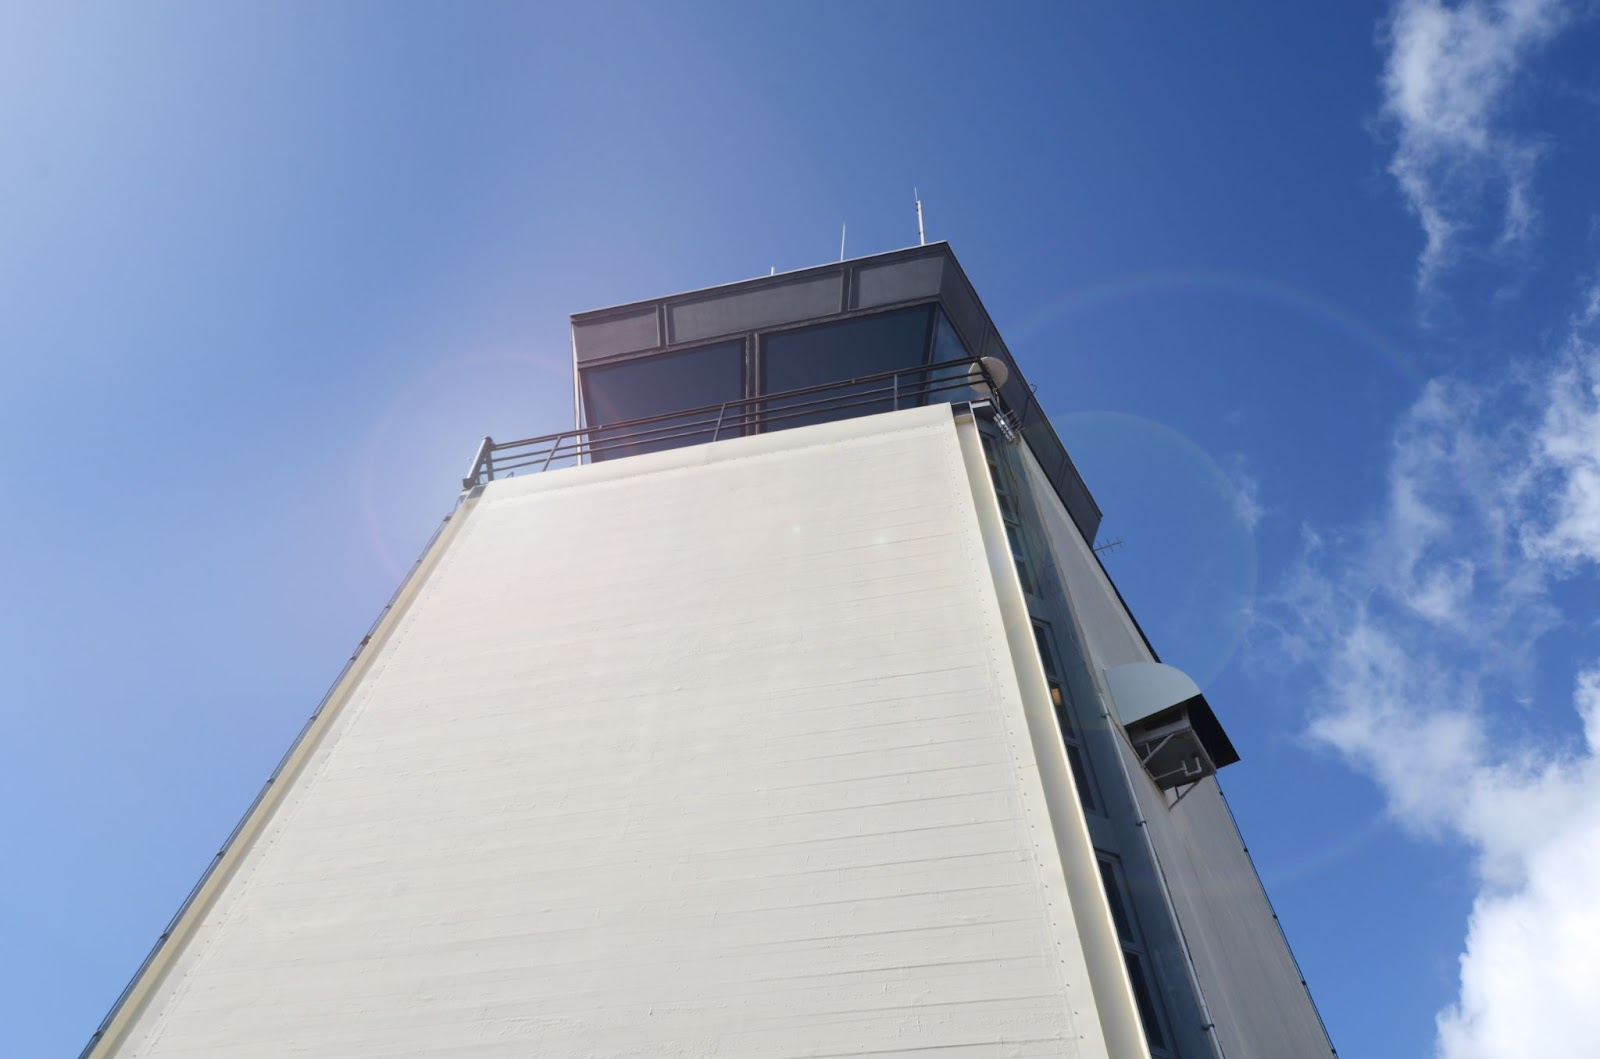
(713,752)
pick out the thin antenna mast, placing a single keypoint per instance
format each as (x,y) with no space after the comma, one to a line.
(922,238)
(841,242)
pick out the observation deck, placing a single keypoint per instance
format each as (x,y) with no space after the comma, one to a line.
(838,341)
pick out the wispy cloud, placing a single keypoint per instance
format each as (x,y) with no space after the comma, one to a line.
(1422,627)
(1246,493)
(1450,76)
(1569,439)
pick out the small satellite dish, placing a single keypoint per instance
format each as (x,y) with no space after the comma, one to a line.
(994,366)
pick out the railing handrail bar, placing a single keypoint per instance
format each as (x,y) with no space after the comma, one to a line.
(840,395)
(800,392)
(610,439)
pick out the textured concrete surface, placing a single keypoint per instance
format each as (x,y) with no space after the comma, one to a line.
(717,751)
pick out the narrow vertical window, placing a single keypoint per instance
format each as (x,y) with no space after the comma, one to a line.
(1044,639)
(1008,515)
(1080,778)
(1134,955)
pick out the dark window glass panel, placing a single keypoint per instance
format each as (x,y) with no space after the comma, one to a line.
(1080,773)
(998,475)
(654,386)
(1142,997)
(1063,715)
(1047,657)
(835,353)
(947,345)
(1016,542)
(1119,909)
(1025,576)
(949,383)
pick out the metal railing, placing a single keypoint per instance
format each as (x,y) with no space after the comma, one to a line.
(943,382)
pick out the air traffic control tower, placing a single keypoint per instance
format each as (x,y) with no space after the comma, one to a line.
(780,709)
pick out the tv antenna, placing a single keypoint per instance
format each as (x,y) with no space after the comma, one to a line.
(922,238)
(1108,546)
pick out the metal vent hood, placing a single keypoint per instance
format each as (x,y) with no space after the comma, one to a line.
(1176,735)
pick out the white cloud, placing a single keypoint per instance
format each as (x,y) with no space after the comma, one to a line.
(1246,493)
(1589,311)
(1530,967)
(1423,626)
(1450,75)
(1568,440)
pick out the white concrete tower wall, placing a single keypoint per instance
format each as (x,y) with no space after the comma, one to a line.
(740,749)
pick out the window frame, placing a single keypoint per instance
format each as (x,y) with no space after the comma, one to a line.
(736,349)
(1077,753)
(758,365)
(1135,956)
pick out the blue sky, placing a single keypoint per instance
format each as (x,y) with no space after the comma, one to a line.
(1312,291)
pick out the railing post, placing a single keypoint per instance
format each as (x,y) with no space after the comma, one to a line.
(896,384)
(483,461)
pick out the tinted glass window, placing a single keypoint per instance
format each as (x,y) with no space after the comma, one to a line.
(1026,576)
(1119,911)
(1013,535)
(1008,511)
(1141,996)
(1138,974)
(1080,772)
(653,386)
(949,383)
(831,353)
(947,345)
(1041,637)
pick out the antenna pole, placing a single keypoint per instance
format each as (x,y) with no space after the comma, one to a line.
(841,242)
(922,238)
